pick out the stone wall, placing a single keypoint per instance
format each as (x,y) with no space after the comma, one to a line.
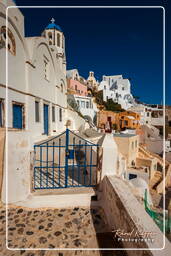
(16,167)
(77,122)
(2,151)
(151,163)
(124,212)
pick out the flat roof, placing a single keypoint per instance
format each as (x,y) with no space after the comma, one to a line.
(124,135)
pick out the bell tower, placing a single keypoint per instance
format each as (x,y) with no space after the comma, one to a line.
(53,33)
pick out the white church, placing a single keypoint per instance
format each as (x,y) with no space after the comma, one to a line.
(36,76)
(33,99)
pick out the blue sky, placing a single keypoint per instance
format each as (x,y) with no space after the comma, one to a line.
(111,41)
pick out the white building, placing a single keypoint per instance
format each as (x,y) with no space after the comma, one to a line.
(36,94)
(77,86)
(87,107)
(150,114)
(118,89)
(144,111)
(36,77)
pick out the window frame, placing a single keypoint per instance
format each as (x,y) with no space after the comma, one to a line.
(87,104)
(23,114)
(2,113)
(60,114)
(53,114)
(37,114)
(58,39)
(8,35)
(46,66)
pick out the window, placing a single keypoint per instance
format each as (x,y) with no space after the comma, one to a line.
(82,104)
(136,143)
(10,38)
(122,88)
(62,88)
(58,40)
(132,176)
(37,117)
(63,42)
(53,113)
(87,104)
(78,103)
(18,115)
(50,35)
(133,163)
(60,115)
(76,87)
(148,114)
(46,68)
(126,122)
(1,112)
(132,144)
(105,87)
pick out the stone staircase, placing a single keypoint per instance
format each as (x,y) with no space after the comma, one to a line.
(167,181)
(156,183)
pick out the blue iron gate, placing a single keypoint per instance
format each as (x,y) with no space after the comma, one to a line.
(65,161)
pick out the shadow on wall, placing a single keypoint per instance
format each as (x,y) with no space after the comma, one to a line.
(105,236)
(82,170)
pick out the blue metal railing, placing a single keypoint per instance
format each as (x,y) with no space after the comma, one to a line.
(66,160)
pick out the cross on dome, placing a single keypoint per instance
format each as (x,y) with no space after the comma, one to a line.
(52,25)
(53,20)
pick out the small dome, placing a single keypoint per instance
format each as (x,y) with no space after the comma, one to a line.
(53,25)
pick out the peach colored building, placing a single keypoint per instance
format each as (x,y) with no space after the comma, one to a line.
(77,88)
(104,116)
(118,121)
(129,120)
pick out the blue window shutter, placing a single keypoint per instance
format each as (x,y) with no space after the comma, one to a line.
(17,116)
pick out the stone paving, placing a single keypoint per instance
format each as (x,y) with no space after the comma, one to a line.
(51,228)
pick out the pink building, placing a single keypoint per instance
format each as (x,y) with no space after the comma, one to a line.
(76,87)
(75,83)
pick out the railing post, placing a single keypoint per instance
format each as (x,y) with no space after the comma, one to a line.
(66,157)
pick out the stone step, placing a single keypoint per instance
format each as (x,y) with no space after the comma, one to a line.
(64,198)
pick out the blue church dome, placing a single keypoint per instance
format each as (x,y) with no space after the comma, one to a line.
(53,25)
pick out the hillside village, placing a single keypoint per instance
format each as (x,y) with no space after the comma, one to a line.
(76,144)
